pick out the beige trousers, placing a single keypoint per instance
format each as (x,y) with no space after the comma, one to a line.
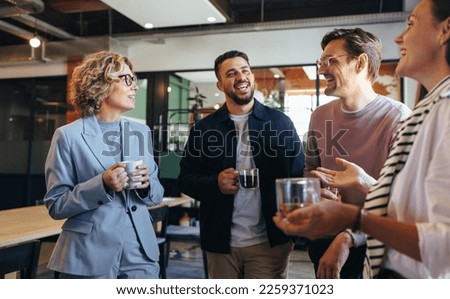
(257,261)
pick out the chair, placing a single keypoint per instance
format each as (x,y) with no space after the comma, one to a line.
(51,239)
(178,233)
(23,257)
(160,215)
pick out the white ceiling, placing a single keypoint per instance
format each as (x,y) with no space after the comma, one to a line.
(157,12)
(199,76)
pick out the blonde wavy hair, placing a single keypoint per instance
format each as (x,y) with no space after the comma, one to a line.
(92,80)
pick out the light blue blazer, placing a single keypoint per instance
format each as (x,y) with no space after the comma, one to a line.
(92,235)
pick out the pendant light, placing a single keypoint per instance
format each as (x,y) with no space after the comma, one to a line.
(35,42)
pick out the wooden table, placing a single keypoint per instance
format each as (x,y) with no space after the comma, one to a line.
(31,223)
(174,201)
(26,224)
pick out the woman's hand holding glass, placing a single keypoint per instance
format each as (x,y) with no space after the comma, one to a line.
(315,221)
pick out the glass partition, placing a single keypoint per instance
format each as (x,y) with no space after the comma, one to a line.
(30,111)
(294,90)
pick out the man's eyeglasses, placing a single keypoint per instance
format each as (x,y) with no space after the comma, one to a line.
(327,61)
(128,79)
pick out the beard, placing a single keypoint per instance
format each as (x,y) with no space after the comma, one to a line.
(330,91)
(240,101)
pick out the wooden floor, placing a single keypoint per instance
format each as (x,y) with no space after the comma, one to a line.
(186,262)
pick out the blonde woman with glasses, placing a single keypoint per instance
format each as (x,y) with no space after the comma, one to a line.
(107,232)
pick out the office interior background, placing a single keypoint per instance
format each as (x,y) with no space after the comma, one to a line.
(174,63)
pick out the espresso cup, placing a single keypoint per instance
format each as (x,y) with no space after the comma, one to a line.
(131,166)
(249,179)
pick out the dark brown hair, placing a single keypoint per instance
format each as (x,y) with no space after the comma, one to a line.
(225,56)
(358,42)
(441,11)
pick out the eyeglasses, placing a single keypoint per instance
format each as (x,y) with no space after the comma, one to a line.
(326,62)
(128,79)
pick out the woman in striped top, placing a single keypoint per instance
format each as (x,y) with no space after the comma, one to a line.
(406,215)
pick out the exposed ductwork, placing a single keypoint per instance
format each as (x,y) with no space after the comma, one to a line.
(60,50)
(20,11)
(43,26)
(17,31)
(53,51)
(12,8)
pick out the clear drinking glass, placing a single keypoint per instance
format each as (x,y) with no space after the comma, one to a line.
(294,193)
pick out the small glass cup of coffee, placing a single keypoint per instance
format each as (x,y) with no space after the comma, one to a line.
(249,179)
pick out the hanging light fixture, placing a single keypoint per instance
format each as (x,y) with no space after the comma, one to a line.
(35,42)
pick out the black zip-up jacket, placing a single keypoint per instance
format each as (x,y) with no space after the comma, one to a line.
(211,148)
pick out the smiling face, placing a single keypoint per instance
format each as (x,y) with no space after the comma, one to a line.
(237,81)
(122,97)
(422,54)
(340,72)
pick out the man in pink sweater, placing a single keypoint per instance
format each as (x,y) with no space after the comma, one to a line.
(359,127)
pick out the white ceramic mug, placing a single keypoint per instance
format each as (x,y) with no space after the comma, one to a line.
(131,166)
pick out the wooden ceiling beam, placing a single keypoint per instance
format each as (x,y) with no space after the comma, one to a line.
(75,6)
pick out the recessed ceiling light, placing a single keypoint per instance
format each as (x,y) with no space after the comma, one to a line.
(148,25)
(157,12)
(276,76)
